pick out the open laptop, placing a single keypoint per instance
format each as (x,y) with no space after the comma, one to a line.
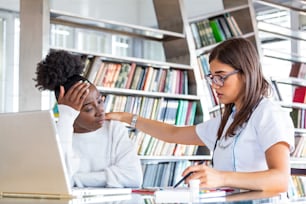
(31,161)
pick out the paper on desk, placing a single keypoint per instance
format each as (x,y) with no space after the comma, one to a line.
(184,194)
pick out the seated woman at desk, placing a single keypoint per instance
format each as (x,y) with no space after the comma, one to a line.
(98,153)
(251,140)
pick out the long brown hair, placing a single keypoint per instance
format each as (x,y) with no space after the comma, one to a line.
(240,54)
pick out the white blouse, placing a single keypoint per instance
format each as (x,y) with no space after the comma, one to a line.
(245,152)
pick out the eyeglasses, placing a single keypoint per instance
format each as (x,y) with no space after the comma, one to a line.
(218,79)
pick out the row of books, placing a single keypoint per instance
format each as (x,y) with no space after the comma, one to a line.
(297,187)
(172,111)
(298,117)
(175,112)
(137,77)
(164,174)
(209,31)
(204,71)
(150,146)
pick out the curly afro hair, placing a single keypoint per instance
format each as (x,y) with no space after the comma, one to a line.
(57,68)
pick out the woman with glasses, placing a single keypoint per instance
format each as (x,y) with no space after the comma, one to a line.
(98,153)
(252,139)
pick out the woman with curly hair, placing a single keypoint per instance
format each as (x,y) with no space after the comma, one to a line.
(98,153)
(251,141)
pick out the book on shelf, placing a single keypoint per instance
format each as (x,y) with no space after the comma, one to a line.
(123,76)
(299,95)
(93,68)
(203,32)
(100,75)
(168,84)
(224,27)
(163,173)
(171,111)
(130,75)
(196,35)
(148,78)
(298,117)
(208,32)
(233,25)
(116,68)
(298,70)
(141,78)
(209,91)
(217,31)
(300,148)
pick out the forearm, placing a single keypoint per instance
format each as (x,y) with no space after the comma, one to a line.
(65,131)
(113,176)
(161,130)
(270,180)
(90,179)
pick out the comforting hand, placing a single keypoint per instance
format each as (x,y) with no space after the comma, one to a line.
(115,116)
(209,177)
(75,96)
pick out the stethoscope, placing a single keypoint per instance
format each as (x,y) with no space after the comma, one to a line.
(223,143)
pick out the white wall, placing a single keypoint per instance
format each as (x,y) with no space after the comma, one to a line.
(139,12)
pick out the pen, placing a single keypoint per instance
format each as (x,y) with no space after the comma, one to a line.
(186,176)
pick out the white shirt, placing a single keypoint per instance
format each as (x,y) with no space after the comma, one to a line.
(268,125)
(105,157)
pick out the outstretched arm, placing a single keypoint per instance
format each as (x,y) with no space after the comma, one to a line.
(163,131)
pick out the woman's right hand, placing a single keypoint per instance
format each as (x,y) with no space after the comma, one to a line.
(75,96)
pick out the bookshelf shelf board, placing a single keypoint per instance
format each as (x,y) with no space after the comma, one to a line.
(208,48)
(298,7)
(281,31)
(64,18)
(146,93)
(290,81)
(176,158)
(217,13)
(298,162)
(293,105)
(144,62)
(283,56)
(300,131)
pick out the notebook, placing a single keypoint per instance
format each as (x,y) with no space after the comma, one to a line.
(32,164)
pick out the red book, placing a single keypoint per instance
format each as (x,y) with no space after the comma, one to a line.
(299,95)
